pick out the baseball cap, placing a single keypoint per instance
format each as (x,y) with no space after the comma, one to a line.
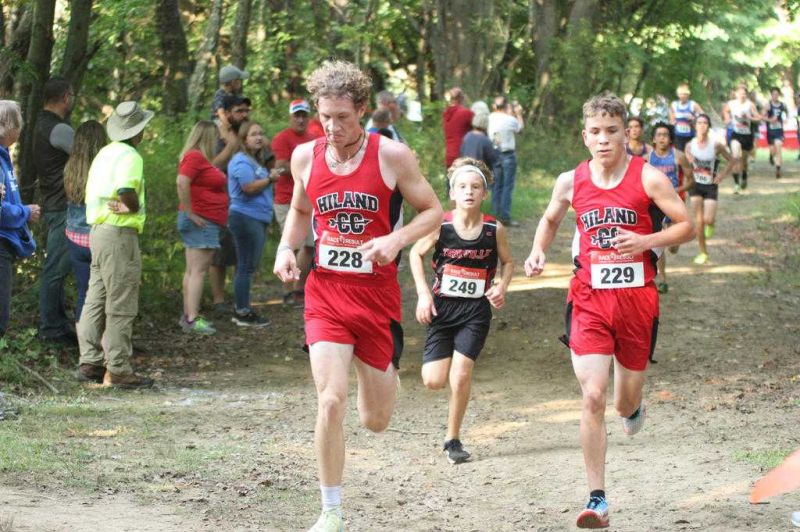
(229,73)
(299,105)
(232,100)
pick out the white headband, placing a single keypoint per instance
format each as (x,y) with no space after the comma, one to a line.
(468,168)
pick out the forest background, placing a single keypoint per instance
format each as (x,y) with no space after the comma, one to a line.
(549,55)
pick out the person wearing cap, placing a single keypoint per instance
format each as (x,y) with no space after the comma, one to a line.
(115,208)
(387,100)
(682,113)
(235,111)
(231,79)
(283,146)
(456,122)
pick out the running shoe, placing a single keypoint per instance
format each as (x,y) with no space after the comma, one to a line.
(708,230)
(329,521)
(701,258)
(595,515)
(456,454)
(251,319)
(632,426)
(199,326)
(737,189)
(663,288)
(796,519)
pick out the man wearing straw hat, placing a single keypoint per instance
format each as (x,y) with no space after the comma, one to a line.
(115,208)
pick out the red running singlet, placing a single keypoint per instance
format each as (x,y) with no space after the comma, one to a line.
(350,210)
(600,213)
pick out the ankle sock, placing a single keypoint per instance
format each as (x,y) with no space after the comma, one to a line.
(635,413)
(331,497)
(598,493)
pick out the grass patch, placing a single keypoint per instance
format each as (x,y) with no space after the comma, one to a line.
(766,459)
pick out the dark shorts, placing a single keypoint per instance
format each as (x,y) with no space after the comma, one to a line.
(366,317)
(225,254)
(709,192)
(745,140)
(459,325)
(773,135)
(622,322)
(681,142)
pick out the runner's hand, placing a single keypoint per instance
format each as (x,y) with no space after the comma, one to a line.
(425,309)
(117,207)
(534,264)
(496,297)
(286,266)
(381,250)
(629,243)
(197,220)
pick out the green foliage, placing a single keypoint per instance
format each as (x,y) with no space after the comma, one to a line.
(23,348)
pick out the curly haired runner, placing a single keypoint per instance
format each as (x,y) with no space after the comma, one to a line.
(458,312)
(351,185)
(612,306)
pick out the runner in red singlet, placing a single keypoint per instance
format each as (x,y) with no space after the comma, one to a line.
(349,186)
(612,306)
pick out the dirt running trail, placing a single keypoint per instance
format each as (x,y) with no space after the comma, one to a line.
(726,385)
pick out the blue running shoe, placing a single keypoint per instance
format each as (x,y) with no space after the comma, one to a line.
(595,515)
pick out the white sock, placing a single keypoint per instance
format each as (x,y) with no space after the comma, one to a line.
(331,497)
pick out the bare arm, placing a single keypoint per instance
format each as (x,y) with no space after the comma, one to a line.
(659,188)
(697,110)
(425,306)
(231,144)
(548,225)
(730,162)
(399,164)
(298,221)
(497,293)
(726,114)
(183,184)
(688,173)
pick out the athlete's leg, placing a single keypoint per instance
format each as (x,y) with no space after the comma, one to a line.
(377,393)
(460,386)
(662,271)
(627,389)
(435,373)
(330,364)
(746,154)
(709,211)
(736,153)
(778,156)
(699,221)
(592,374)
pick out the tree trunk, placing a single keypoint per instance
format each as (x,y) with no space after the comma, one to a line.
(14,50)
(423,50)
(40,54)
(240,31)
(175,51)
(197,84)
(76,54)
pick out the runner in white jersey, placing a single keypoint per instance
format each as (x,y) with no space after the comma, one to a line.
(739,113)
(703,152)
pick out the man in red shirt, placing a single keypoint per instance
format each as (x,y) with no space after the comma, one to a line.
(456,122)
(283,145)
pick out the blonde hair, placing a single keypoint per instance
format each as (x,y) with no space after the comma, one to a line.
(469,161)
(606,103)
(202,138)
(339,79)
(90,137)
(244,130)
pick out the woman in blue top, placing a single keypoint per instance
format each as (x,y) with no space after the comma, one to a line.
(249,186)
(16,240)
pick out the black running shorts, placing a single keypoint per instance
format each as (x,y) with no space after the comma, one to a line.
(459,325)
(745,140)
(773,135)
(681,142)
(709,192)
